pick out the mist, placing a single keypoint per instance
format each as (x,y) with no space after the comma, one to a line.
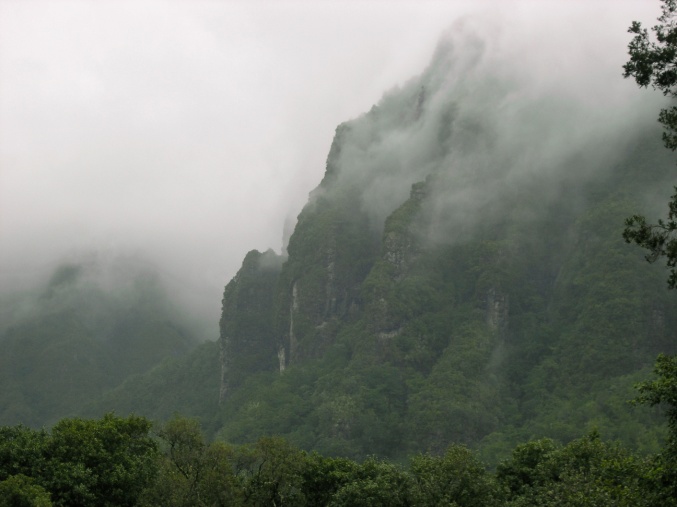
(190,133)
(489,118)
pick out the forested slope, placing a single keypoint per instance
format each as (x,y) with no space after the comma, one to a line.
(458,276)
(455,280)
(93,324)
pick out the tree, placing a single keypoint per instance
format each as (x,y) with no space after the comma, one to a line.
(663,391)
(324,476)
(271,471)
(457,478)
(107,461)
(587,473)
(655,63)
(21,491)
(374,483)
(192,472)
(22,451)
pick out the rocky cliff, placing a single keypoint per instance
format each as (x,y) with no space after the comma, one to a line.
(458,275)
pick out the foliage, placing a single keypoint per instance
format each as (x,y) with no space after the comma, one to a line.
(663,391)
(113,462)
(108,461)
(21,491)
(655,63)
(324,476)
(586,472)
(187,383)
(192,472)
(271,472)
(456,478)
(375,483)
(81,336)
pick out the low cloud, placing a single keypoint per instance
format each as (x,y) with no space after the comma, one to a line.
(191,133)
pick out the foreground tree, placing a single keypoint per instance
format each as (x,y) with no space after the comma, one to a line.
(662,479)
(654,62)
(457,478)
(82,462)
(22,491)
(587,473)
(192,473)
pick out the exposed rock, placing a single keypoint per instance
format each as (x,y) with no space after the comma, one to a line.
(497,310)
(248,342)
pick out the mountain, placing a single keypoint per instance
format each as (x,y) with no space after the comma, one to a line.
(94,323)
(458,276)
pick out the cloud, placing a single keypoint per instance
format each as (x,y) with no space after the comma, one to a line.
(190,132)
(507,102)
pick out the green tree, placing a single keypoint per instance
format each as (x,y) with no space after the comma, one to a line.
(662,479)
(192,472)
(22,451)
(457,478)
(324,476)
(655,63)
(271,471)
(521,472)
(375,483)
(21,491)
(587,473)
(107,461)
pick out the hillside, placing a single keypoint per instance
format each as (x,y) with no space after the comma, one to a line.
(458,275)
(94,323)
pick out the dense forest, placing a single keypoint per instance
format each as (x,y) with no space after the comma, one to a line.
(118,461)
(457,319)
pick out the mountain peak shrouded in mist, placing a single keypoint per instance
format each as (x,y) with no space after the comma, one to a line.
(120,135)
(457,275)
(483,121)
(460,260)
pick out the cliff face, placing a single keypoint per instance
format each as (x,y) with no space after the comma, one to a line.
(248,340)
(451,277)
(330,253)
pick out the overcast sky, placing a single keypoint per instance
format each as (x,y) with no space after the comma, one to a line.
(190,131)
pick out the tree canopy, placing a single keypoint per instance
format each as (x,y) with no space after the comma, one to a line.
(654,62)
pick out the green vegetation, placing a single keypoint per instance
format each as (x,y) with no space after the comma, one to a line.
(653,63)
(517,334)
(119,461)
(109,461)
(407,350)
(92,326)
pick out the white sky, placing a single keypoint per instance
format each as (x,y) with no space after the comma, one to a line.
(189,131)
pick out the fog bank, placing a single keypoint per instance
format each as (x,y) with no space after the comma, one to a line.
(188,133)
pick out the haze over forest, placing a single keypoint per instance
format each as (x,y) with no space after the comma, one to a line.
(187,134)
(337,253)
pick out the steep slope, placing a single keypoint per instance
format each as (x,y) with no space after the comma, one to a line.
(248,341)
(93,325)
(459,276)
